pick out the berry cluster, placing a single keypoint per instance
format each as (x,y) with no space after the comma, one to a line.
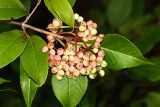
(76,58)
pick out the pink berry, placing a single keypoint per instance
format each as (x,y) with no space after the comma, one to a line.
(52,52)
(72,52)
(94,63)
(58,77)
(71,57)
(95,25)
(65,58)
(90,67)
(70,63)
(80,54)
(92,57)
(49,26)
(57,57)
(51,63)
(97,44)
(56,22)
(101,53)
(86,57)
(95,50)
(89,22)
(60,73)
(68,74)
(79,66)
(82,28)
(99,39)
(57,63)
(101,35)
(93,31)
(80,34)
(93,37)
(77,59)
(85,63)
(51,57)
(88,37)
(76,73)
(83,23)
(65,67)
(60,51)
(50,37)
(71,69)
(66,52)
(44,49)
(83,71)
(50,45)
(87,32)
(63,62)
(54,70)
(99,59)
(91,26)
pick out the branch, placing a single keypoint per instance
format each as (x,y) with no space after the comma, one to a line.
(34,28)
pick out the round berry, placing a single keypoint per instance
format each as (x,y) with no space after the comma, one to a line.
(44,49)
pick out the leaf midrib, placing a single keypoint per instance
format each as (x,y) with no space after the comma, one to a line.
(13,8)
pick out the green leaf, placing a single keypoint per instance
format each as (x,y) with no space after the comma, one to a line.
(152,99)
(27,4)
(150,72)
(121,53)
(3,80)
(136,103)
(50,8)
(12,44)
(28,86)
(34,62)
(64,10)
(68,91)
(118,12)
(11,9)
(72,2)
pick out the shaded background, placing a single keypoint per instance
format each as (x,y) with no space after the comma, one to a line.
(137,20)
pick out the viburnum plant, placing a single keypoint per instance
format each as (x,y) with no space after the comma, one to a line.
(84,52)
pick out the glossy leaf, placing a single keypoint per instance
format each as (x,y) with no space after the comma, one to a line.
(12,44)
(34,62)
(27,4)
(11,9)
(3,80)
(119,11)
(72,2)
(121,53)
(28,86)
(64,11)
(68,91)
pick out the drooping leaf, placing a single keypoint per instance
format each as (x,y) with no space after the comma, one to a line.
(11,9)
(27,4)
(152,99)
(72,2)
(28,86)
(121,53)
(12,44)
(64,11)
(118,11)
(34,62)
(3,80)
(68,91)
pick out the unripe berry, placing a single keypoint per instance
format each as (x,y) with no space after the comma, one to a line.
(89,22)
(99,39)
(101,53)
(101,73)
(50,45)
(99,68)
(93,31)
(76,73)
(79,66)
(85,39)
(95,25)
(51,57)
(72,52)
(57,57)
(66,52)
(104,64)
(65,58)
(71,58)
(60,73)
(85,63)
(52,52)
(63,62)
(76,16)
(101,35)
(80,54)
(88,37)
(77,59)
(80,34)
(92,76)
(82,28)
(54,70)
(80,19)
(44,49)
(50,37)
(65,67)
(68,74)
(86,57)
(83,71)
(87,32)
(70,63)
(97,44)
(60,51)
(95,50)
(59,77)
(57,63)
(94,70)
(92,57)
(57,22)
(59,67)
(71,69)
(94,63)
(99,59)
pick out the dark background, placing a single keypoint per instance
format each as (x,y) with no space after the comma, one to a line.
(125,88)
